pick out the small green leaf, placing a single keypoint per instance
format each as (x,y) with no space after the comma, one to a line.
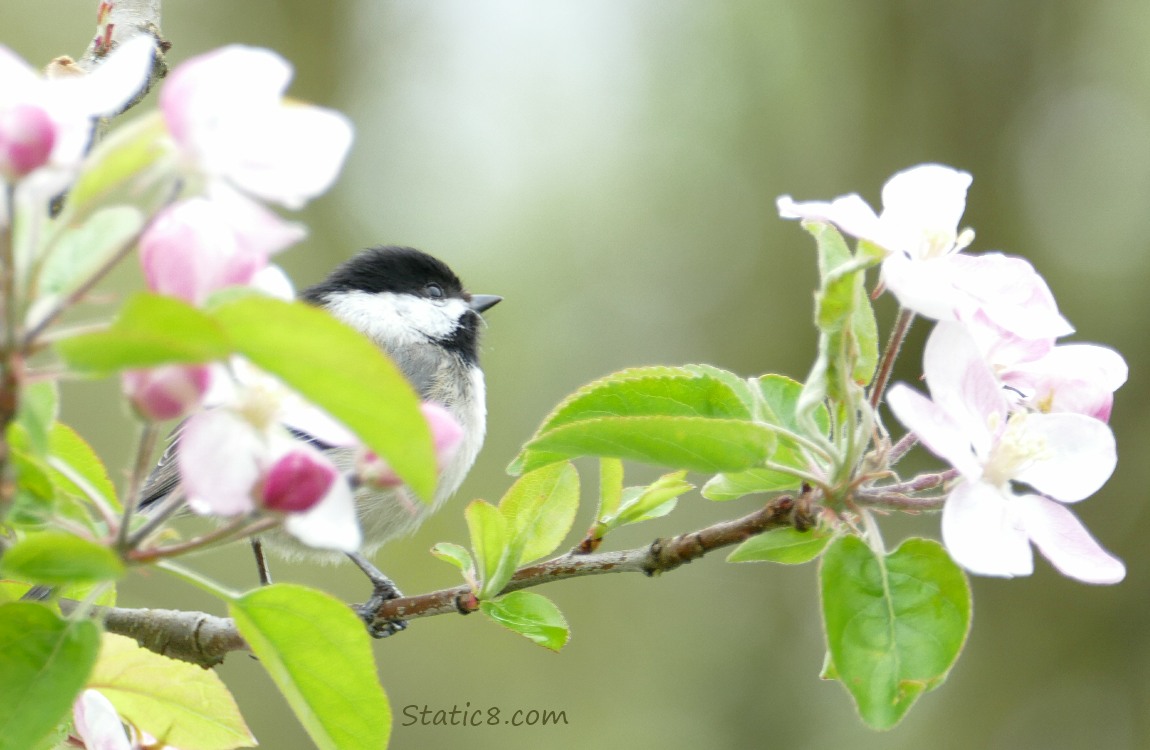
(56,558)
(531,615)
(189,707)
(129,166)
(895,624)
(38,408)
(540,508)
(787,545)
(494,559)
(150,330)
(692,443)
(610,486)
(319,655)
(77,468)
(457,556)
(655,500)
(340,370)
(44,661)
(733,485)
(80,251)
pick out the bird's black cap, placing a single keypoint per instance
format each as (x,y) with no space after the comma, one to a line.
(388,269)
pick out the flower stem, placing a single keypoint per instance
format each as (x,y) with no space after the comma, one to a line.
(199,581)
(890,354)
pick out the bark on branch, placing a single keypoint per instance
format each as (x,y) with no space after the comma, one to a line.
(204,639)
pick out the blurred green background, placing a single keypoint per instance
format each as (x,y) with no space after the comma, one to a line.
(610,168)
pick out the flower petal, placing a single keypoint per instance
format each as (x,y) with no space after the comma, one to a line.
(1066,543)
(981,534)
(219,461)
(98,724)
(1078,455)
(921,208)
(330,524)
(937,430)
(962,383)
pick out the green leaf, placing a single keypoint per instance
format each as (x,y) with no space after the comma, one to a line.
(44,661)
(733,485)
(150,330)
(132,165)
(319,655)
(494,559)
(57,558)
(80,251)
(694,443)
(532,615)
(610,486)
(540,508)
(37,410)
(340,370)
(787,545)
(185,705)
(695,392)
(77,468)
(895,624)
(654,500)
(458,556)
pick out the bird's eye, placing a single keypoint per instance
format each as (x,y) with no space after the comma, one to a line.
(434,291)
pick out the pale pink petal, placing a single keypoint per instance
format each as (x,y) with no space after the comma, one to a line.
(850,213)
(331,524)
(187,251)
(274,282)
(963,384)
(203,98)
(259,232)
(1065,542)
(98,724)
(1011,294)
(923,286)
(937,430)
(294,157)
(1077,455)
(1001,348)
(921,208)
(981,533)
(220,463)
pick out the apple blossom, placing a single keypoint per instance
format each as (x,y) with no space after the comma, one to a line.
(98,724)
(167,391)
(924,267)
(1042,375)
(196,247)
(239,457)
(986,526)
(226,112)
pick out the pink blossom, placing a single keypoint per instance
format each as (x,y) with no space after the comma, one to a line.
(167,391)
(239,458)
(197,246)
(986,525)
(98,724)
(1042,375)
(227,114)
(27,135)
(71,103)
(924,267)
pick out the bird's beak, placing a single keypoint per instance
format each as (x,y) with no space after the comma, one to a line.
(483,302)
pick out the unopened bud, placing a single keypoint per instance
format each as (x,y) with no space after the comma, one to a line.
(27,136)
(167,391)
(297,481)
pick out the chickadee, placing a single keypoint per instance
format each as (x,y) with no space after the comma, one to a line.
(415,309)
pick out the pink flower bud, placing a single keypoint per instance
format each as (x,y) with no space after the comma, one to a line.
(27,136)
(297,481)
(168,391)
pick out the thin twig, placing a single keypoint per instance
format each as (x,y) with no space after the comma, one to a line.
(889,355)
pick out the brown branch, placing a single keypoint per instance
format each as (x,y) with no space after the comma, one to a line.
(205,640)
